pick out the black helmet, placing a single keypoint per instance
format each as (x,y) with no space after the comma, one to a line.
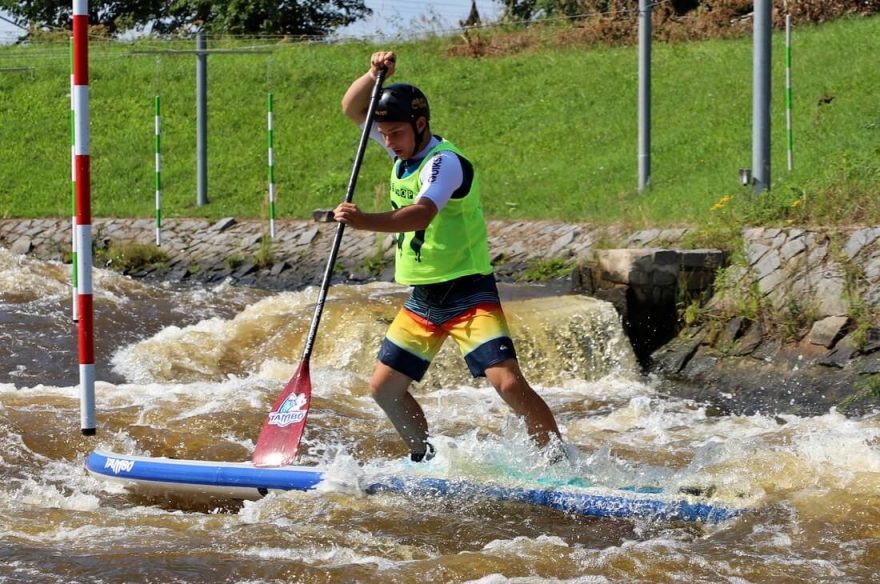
(401,102)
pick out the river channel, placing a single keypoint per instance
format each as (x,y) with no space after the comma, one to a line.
(190,373)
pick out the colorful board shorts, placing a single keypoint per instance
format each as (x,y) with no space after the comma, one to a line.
(467,309)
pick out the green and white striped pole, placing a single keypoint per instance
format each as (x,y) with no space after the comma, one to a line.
(73,269)
(789,137)
(271,172)
(158,126)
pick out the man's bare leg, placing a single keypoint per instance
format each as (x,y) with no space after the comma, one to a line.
(513,388)
(390,390)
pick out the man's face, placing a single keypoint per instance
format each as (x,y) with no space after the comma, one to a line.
(400,138)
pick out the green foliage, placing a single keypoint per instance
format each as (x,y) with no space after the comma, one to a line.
(234,262)
(739,294)
(104,17)
(265,256)
(692,313)
(542,270)
(518,10)
(860,312)
(266,17)
(794,320)
(309,18)
(129,257)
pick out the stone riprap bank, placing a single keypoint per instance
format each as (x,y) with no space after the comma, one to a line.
(205,251)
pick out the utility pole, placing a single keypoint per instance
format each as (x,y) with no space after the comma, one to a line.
(201,52)
(644,94)
(763,17)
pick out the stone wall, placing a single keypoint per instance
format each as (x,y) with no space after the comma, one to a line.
(792,328)
(210,251)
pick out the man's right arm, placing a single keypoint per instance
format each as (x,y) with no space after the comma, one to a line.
(357,99)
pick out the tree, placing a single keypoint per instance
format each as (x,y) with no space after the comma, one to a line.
(303,17)
(518,10)
(112,17)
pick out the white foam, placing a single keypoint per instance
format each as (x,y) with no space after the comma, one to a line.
(32,493)
(343,475)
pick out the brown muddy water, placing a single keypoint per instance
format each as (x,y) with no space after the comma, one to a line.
(190,373)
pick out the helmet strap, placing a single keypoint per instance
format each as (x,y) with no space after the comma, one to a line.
(419,136)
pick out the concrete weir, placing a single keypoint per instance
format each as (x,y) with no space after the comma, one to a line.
(647,286)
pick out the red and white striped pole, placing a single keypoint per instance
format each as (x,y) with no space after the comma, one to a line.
(74,309)
(83,216)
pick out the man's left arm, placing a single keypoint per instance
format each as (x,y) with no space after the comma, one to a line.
(440,178)
(415,217)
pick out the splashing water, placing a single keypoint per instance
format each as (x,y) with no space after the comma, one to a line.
(191,374)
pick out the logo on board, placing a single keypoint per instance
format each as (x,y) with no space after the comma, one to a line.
(292,411)
(118,465)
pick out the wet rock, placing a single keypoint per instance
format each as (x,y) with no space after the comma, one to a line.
(872,341)
(703,361)
(177,275)
(869,365)
(837,357)
(22,246)
(828,331)
(223,224)
(279,267)
(731,332)
(767,350)
(246,269)
(785,385)
(307,236)
(675,355)
(323,215)
(753,337)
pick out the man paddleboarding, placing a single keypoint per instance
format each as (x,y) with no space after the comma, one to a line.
(443,253)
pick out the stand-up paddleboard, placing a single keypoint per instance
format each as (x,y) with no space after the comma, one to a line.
(243,480)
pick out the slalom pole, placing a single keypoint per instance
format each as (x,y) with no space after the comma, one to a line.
(158,175)
(73,285)
(83,216)
(789,137)
(271,171)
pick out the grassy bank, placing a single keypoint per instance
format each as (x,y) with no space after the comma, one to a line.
(553,130)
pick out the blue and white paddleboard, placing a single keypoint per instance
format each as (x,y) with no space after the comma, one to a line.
(242,480)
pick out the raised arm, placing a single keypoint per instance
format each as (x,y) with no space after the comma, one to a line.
(357,99)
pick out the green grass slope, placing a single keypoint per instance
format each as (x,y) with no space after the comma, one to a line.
(553,131)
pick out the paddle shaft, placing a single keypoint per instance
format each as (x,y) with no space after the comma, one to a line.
(340,227)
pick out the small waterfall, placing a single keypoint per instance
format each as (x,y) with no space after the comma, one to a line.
(557,338)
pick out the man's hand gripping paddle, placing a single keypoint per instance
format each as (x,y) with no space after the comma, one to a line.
(282,431)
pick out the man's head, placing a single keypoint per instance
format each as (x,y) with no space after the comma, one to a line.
(402,117)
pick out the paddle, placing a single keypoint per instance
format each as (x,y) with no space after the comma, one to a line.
(282,431)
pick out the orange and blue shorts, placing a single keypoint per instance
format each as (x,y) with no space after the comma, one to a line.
(467,309)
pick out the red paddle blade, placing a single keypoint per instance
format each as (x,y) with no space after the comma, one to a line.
(284,426)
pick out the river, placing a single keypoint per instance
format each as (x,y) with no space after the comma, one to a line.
(191,372)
